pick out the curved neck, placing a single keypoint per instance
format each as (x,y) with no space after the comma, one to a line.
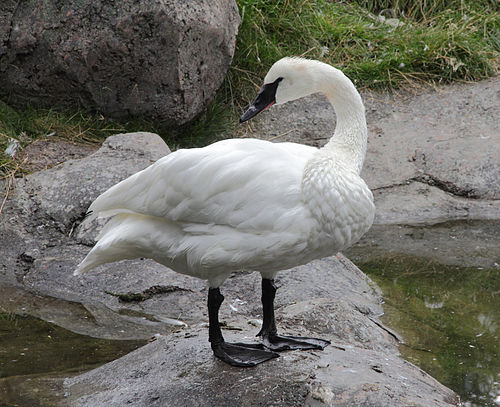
(350,136)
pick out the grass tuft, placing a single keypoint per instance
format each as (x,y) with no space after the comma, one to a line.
(422,10)
(23,126)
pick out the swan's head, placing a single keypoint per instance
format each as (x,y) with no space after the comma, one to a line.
(288,79)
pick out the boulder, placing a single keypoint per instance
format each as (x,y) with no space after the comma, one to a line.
(63,193)
(43,237)
(181,371)
(159,59)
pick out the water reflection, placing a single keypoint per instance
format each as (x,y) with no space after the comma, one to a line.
(448,316)
(36,355)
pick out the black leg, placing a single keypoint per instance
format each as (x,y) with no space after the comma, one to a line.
(268,321)
(236,354)
(270,338)
(215,299)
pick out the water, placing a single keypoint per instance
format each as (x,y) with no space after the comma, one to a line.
(31,346)
(447,314)
(36,355)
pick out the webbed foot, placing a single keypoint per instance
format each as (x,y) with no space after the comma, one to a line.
(242,355)
(279,343)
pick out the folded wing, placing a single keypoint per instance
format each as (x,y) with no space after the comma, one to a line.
(247,184)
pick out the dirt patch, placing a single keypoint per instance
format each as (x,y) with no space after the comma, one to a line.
(44,154)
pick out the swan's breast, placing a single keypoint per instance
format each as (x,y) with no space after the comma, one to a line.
(340,201)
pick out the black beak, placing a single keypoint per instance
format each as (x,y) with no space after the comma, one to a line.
(265,98)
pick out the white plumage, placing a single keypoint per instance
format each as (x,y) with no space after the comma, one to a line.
(247,204)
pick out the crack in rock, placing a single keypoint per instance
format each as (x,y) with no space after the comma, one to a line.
(148,293)
(446,186)
(433,181)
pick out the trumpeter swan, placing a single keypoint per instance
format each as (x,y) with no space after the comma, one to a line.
(247,204)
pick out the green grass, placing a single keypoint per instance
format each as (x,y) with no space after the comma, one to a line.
(439,41)
(28,124)
(426,9)
(449,44)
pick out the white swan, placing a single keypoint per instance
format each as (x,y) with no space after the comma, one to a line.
(247,204)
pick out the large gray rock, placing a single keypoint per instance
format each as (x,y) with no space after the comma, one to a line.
(182,372)
(160,59)
(62,193)
(329,298)
(47,206)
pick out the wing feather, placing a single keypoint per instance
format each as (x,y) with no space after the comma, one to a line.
(248,184)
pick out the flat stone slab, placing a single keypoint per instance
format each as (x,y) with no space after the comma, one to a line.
(182,371)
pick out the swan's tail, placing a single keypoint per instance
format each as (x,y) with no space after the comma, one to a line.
(109,247)
(129,236)
(117,241)
(88,263)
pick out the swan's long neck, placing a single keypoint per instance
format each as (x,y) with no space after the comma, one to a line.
(350,135)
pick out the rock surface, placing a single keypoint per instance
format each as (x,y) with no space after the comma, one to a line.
(159,59)
(163,373)
(448,139)
(43,240)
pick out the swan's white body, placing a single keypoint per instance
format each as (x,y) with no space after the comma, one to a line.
(246,204)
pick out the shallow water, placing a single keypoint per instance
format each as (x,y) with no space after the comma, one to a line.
(31,346)
(35,355)
(447,314)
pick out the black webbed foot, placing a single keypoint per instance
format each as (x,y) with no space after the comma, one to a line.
(270,339)
(242,355)
(280,343)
